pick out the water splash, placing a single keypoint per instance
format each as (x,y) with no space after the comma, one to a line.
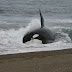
(11,40)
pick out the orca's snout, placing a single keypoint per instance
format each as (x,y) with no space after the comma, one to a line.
(26,38)
(23,40)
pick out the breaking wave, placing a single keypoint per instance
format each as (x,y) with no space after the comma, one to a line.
(11,39)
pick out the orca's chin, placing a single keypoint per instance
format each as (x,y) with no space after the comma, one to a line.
(23,42)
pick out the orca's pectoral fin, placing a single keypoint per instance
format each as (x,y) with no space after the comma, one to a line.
(42,19)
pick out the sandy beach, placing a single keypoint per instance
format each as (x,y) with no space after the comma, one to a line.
(49,61)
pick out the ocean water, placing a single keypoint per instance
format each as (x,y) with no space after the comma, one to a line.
(17,17)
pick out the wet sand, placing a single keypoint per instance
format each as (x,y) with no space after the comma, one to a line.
(49,61)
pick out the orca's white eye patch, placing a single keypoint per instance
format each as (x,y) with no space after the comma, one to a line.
(35,35)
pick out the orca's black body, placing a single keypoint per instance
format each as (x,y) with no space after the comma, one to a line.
(44,34)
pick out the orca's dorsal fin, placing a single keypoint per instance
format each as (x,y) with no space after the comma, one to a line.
(42,20)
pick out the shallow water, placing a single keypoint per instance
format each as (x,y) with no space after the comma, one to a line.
(20,16)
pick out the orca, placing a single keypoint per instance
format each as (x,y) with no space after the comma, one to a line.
(44,34)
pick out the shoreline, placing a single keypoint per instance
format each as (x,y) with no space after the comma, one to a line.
(45,61)
(36,54)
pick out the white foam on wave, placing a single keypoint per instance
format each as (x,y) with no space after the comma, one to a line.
(34,24)
(37,47)
(13,36)
(61,27)
(11,41)
(59,20)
